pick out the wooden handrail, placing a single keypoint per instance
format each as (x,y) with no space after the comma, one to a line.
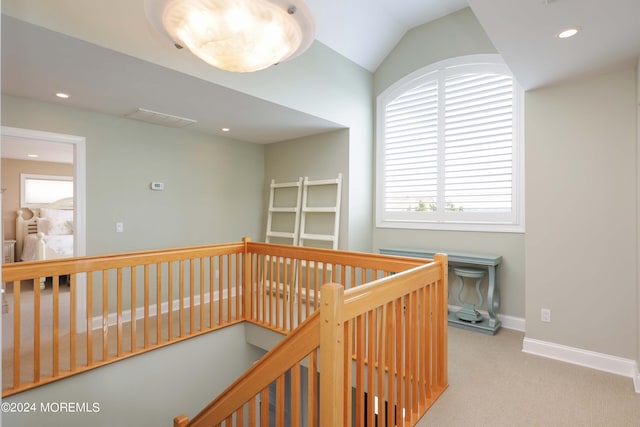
(379,320)
(126,284)
(276,362)
(399,353)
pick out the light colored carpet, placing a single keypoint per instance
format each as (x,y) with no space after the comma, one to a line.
(493,383)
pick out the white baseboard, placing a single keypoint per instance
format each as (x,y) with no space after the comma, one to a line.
(590,359)
(508,322)
(112,318)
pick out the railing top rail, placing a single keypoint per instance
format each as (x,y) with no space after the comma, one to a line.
(331,256)
(360,299)
(22,270)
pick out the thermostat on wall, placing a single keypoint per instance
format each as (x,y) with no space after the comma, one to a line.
(157,186)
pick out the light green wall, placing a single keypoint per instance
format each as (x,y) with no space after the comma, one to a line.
(149,389)
(318,157)
(454,35)
(213,186)
(581,214)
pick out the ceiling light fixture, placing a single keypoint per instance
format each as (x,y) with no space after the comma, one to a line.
(236,35)
(225,129)
(62,95)
(569,32)
(33,156)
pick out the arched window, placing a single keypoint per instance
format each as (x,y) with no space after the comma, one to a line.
(449,148)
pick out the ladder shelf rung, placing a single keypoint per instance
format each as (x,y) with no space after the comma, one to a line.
(280,234)
(320,209)
(287,209)
(323,237)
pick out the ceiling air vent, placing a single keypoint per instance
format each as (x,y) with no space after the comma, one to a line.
(160,118)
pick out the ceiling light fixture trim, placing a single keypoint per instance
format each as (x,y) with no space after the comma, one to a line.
(236,35)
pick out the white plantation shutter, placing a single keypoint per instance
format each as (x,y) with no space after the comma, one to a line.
(478,140)
(411,150)
(447,148)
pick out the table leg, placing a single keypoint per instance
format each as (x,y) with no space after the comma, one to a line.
(493,296)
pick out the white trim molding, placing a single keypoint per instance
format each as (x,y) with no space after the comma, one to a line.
(589,359)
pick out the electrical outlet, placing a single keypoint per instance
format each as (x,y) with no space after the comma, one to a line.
(545,315)
(119,227)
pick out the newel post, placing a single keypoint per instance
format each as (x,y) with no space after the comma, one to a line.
(246,280)
(442,339)
(180,421)
(332,355)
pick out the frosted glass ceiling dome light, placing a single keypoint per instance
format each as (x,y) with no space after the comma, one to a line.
(236,35)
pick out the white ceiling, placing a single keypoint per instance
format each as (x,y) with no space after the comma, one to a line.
(364,31)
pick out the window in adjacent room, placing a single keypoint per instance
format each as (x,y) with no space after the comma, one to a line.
(38,190)
(449,148)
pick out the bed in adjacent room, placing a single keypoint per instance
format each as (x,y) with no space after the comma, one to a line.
(47,234)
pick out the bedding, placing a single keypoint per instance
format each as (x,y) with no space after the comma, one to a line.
(58,246)
(48,234)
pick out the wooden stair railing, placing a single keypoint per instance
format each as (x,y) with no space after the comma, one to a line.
(386,339)
(243,393)
(176,294)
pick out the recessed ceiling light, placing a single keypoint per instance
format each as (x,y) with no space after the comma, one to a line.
(225,129)
(569,32)
(62,95)
(32,155)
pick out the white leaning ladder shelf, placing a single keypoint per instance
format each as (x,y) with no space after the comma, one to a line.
(333,209)
(291,233)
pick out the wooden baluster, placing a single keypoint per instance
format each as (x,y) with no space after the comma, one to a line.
(371,365)
(181,298)
(414,353)
(229,287)
(399,350)
(89,318)
(381,362)
(275,294)
(36,330)
(360,358)
(170,301)
(55,290)
(428,335)
(212,290)
(391,364)
(146,306)
(307,268)
(119,312)
(252,410)
(280,403)
(159,303)
(263,289)
(240,417)
(72,322)
(299,291)
(105,315)
(220,287)
(134,306)
(264,407)
(312,391)
(17,330)
(295,396)
(239,285)
(202,299)
(192,296)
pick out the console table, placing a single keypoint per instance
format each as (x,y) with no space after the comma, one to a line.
(489,261)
